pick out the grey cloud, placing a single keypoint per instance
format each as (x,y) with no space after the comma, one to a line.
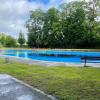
(13,11)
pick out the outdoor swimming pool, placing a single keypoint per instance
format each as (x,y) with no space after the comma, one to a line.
(51,55)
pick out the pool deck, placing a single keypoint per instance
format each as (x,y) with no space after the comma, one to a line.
(14,89)
(49,63)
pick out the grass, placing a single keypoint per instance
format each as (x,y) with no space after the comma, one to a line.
(65,83)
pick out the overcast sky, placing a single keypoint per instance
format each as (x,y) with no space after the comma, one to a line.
(14,13)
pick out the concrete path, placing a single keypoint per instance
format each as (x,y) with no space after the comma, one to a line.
(13,89)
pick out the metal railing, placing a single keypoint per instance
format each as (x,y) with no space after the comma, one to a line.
(90,59)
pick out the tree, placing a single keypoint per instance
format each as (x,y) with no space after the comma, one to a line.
(7,41)
(72,19)
(92,36)
(35,25)
(21,39)
(51,27)
(10,41)
(74,25)
(3,39)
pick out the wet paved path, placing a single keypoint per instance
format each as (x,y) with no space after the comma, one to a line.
(13,89)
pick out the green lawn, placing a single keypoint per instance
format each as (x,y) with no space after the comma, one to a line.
(65,83)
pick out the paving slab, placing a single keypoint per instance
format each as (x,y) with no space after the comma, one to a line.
(14,89)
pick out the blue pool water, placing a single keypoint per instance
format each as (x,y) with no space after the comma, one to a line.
(34,55)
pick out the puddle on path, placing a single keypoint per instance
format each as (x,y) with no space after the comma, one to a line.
(25,97)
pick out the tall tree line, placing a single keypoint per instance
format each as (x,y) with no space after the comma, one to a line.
(73,25)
